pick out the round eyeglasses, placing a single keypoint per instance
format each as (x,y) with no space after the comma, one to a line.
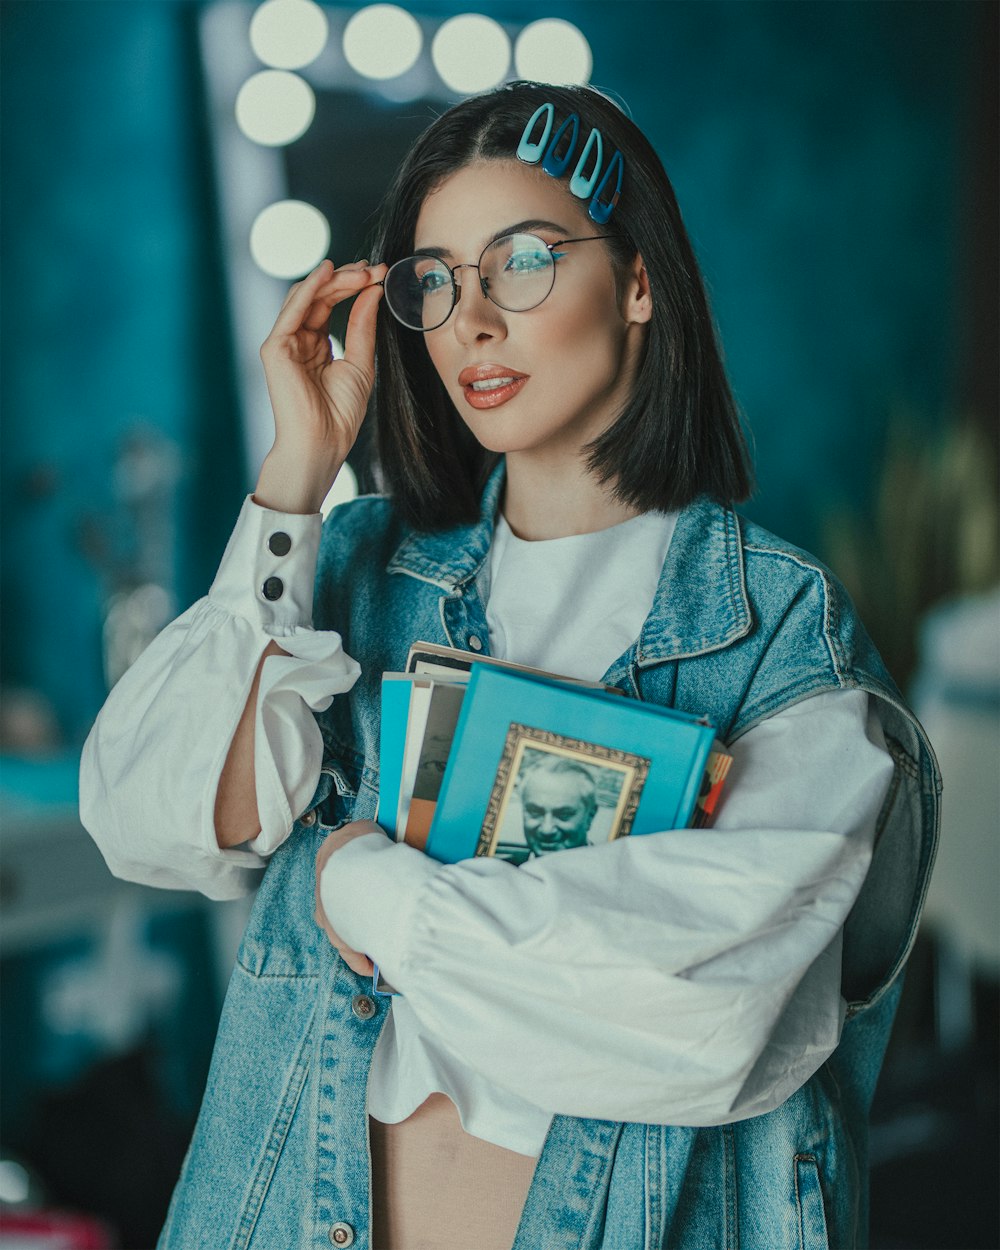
(517,272)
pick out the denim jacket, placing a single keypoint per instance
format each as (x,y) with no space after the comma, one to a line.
(742,625)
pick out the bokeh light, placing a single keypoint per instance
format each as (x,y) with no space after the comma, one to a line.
(551,50)
(471,53)
(275,107)
(289,238)
(343,490)
(382,41)
(15,1183)
(288,33)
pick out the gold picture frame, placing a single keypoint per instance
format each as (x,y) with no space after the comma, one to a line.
(618,779)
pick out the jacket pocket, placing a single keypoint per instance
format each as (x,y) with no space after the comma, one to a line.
(335,797)
(809,1204)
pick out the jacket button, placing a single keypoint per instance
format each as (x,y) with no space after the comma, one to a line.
(363,1006)
(308,818)
(273,588)
(475,642)
(279,544)
(341,1234)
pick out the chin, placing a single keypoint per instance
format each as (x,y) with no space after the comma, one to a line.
(499,434)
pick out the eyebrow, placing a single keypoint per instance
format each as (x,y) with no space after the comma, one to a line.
(532,223)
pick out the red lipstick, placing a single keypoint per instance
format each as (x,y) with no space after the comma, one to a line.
(489,386)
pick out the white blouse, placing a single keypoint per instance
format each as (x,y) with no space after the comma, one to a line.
(688,977)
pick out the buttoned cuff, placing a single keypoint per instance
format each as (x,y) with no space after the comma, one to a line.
(370,890)
(268,569)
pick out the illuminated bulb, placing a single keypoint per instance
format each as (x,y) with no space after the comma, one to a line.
(15,1184)
(382,41)
(343,490)
(288,33)
(275,107)
(471,53)
(552,50)
(289,238)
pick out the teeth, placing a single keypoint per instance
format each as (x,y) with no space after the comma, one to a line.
(491,384)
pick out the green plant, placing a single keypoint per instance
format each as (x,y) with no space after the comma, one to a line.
(933,533)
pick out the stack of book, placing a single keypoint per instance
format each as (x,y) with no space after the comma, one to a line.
(483,757)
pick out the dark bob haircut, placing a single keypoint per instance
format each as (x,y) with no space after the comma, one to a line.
(678,435)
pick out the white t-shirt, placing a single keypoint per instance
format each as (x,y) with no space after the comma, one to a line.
(574,605)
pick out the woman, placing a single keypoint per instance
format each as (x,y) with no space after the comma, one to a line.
(672,1037)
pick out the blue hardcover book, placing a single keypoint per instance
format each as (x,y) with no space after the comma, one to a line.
(539,766)
(396,691)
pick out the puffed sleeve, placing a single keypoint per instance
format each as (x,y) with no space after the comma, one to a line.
(685,977)
(151,764)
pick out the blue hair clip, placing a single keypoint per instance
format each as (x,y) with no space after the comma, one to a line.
(555,162)
(583,186)
(601,206)
(530,150)
(555,152)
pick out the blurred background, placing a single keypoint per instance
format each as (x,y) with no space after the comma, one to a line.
(169,167)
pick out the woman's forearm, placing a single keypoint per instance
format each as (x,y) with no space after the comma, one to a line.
(236,814)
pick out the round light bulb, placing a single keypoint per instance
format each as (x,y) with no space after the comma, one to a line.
(382,41)
(275,107)
(288,33)
(289,238)
(471,53)
(343,490)
(551,50)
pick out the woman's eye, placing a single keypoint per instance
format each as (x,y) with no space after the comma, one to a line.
(432,281)
(527,262)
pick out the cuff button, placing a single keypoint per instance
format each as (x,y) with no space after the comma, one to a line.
(273,588)
(279,544)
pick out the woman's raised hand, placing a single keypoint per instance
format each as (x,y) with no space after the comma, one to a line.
(318,402)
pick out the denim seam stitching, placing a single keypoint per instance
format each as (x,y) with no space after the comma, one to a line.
(785,697)
(729,1187)
(737,588)
(278,976)
(831,617)
(275,1145)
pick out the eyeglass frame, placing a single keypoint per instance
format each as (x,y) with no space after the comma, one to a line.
(456,286)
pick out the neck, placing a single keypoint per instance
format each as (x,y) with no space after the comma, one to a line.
(555,500)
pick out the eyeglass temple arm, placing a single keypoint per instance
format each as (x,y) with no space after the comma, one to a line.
(587,238)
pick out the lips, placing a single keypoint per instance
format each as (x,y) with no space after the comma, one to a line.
(490,385)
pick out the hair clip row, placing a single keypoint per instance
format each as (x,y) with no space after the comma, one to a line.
(556,152)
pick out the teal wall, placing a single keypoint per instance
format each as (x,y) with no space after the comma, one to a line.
(113,315)
(816,150)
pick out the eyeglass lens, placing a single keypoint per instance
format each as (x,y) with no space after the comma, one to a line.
(517,272)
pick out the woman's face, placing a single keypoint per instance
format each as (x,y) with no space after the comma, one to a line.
(572,358)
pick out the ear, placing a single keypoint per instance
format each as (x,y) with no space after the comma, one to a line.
(637,304)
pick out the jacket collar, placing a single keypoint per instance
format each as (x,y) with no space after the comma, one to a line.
(451,558)
(701,601)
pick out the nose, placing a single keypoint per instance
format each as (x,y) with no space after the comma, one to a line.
(476,318)
(548,824)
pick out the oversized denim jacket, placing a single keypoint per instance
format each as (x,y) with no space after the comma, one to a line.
(742,625)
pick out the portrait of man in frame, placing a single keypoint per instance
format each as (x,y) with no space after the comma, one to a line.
(554,793)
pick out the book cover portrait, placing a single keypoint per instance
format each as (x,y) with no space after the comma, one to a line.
(552,792)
